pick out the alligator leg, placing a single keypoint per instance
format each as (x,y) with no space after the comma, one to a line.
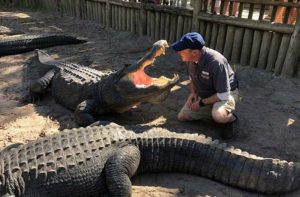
(120,168)
(40,86)
(83,114)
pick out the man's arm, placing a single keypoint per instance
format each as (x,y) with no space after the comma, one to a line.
(211,100)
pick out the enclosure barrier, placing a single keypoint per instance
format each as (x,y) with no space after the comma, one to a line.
(249,35)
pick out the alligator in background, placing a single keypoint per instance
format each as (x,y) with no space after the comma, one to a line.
(8,31)
(10,45)
(91,92)
(95,160)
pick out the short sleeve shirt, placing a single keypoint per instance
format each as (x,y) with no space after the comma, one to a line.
(212,74)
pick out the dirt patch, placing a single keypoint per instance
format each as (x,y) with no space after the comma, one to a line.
(269,109)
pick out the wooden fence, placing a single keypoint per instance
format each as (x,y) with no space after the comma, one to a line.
(249,38)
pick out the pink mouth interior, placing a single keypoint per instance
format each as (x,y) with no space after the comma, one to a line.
(141,78)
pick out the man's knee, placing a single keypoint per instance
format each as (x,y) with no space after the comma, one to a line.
(220,115)
(183,117)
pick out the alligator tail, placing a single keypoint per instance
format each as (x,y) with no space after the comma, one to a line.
(23,43)
(199,155)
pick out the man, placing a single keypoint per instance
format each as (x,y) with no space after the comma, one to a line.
(214,86)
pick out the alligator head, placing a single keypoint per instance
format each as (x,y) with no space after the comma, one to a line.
(131,85)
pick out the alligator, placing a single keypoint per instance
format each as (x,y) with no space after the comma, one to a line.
(100,159)
(10,45)
(92,92)
(8,31)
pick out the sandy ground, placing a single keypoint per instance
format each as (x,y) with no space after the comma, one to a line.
(269,110)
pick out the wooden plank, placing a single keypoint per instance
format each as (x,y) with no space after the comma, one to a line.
(157,25)
(255,48)
(189,24)
(119,18)
(167,30)
(269,2)
(229,42)
(195,22)
(208,33)
(251,10)
(298,75)
(293,53)
(261,12)
(123,18)
(221,38)
(152,25)
(274,48)
(186,25)
(88,10)
(142,20)
(132,21)
(264,50)
(148,23)
(179,31)
(173,27)
(237,45)
(284,45)
(173,10)
(202,28)
(113,17)
(108,17)
(162,26)
(128,25)
(274,11)
(241,22)
(246,47)
(241,9)
(214,35)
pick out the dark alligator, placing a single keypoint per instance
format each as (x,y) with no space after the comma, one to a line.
(8,31)
(11,45)
(91,92)
(95,160)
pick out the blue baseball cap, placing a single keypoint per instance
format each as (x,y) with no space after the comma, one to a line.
(192,40)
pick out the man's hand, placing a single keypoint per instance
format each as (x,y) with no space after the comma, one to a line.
(191,99)
(193,102)
(195,105)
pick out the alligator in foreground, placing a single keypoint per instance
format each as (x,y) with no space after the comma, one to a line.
(91,92)
(11,45)
(101,159)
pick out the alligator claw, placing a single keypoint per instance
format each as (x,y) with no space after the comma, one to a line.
(32,97)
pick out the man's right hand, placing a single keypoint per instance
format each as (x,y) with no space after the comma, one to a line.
(192,98)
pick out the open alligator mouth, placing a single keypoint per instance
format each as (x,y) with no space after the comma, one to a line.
(141,79)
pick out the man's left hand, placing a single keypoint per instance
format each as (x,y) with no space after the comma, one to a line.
(195,105)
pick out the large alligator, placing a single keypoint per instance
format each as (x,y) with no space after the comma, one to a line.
(95,160)
(10,45)
(91,92)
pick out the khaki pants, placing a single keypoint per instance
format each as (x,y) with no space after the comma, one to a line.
(205,112)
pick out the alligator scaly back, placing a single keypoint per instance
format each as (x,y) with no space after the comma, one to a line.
(88,161)
(23,43)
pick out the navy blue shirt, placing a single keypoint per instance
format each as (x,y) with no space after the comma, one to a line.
(212,74)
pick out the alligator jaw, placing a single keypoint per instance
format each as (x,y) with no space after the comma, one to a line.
(137,74)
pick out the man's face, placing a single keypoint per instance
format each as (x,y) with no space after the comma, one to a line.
(187,55)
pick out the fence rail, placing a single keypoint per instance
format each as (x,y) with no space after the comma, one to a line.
(245,31)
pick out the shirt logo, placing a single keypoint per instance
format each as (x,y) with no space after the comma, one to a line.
(205,75)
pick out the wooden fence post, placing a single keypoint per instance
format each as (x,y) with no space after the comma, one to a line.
(292,56)
(108,15)
(143,17)
(195,23)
